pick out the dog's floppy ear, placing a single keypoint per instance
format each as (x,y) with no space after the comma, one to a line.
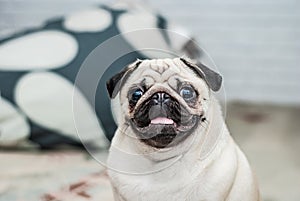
(115,83)
(213,79)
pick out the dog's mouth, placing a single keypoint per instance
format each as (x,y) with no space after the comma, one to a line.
(163,125)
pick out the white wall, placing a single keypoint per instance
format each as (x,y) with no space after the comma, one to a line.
(255,44)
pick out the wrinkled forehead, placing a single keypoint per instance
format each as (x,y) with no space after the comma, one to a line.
(161,71)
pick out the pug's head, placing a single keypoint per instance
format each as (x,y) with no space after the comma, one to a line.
(164,100)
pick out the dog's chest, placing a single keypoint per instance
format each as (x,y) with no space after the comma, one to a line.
(167,185)
(149,187)
(185,180)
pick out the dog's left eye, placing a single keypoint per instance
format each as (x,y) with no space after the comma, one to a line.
(137,94)
(187,93)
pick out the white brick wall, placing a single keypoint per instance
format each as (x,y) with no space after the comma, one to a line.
(255,44)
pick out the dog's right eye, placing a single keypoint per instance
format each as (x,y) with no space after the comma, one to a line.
(137,94)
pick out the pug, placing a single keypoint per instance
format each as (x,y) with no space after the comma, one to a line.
(172,143)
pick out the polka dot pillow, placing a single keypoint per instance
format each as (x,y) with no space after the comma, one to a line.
(38,69)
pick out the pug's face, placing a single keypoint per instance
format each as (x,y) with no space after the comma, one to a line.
(164,100)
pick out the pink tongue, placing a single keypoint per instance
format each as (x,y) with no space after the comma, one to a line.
(162,120)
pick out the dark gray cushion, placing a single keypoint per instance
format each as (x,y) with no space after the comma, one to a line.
(38,68)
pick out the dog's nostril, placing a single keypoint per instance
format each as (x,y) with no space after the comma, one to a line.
(166,96)
(155,96)
(161,97)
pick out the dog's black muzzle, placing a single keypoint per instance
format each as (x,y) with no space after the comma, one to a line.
(178,121)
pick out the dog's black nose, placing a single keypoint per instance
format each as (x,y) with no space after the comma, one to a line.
(161,97)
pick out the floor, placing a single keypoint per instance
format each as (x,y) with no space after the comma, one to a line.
(269,136)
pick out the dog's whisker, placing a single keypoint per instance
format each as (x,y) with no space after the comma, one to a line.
(206,122)
(203,125)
